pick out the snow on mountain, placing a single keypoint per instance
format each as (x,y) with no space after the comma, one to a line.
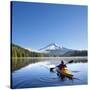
(51,46)
(51,49)
(54,49)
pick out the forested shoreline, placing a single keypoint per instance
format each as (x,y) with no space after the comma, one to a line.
(18,51)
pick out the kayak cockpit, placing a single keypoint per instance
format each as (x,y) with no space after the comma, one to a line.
(64,73)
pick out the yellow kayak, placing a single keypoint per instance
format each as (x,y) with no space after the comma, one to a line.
(65,72)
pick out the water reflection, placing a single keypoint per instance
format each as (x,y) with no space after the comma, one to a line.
(22,62)
(35,75)
(18,63)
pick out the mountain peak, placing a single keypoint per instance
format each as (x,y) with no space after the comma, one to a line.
(54,49)
(51,46)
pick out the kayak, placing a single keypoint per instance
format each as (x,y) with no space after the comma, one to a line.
(64,72)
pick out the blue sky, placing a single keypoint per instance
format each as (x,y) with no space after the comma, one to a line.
(35,25)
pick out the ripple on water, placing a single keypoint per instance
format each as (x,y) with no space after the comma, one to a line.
(36,75)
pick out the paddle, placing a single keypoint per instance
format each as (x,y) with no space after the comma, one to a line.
(51,69)
(70,61)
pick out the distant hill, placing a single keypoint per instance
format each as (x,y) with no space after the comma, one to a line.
(76,53)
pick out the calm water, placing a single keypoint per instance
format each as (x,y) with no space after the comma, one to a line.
(39,75)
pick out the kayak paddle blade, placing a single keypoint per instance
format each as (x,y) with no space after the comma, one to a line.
(70,61)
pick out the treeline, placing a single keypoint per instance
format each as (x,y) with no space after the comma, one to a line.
(18,51)
(76,53)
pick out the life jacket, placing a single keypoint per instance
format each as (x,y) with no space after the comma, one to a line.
(61,66)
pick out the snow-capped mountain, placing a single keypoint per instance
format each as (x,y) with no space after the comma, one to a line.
(54,49)
(51,46)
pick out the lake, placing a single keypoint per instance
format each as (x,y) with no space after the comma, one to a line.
(37,74)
